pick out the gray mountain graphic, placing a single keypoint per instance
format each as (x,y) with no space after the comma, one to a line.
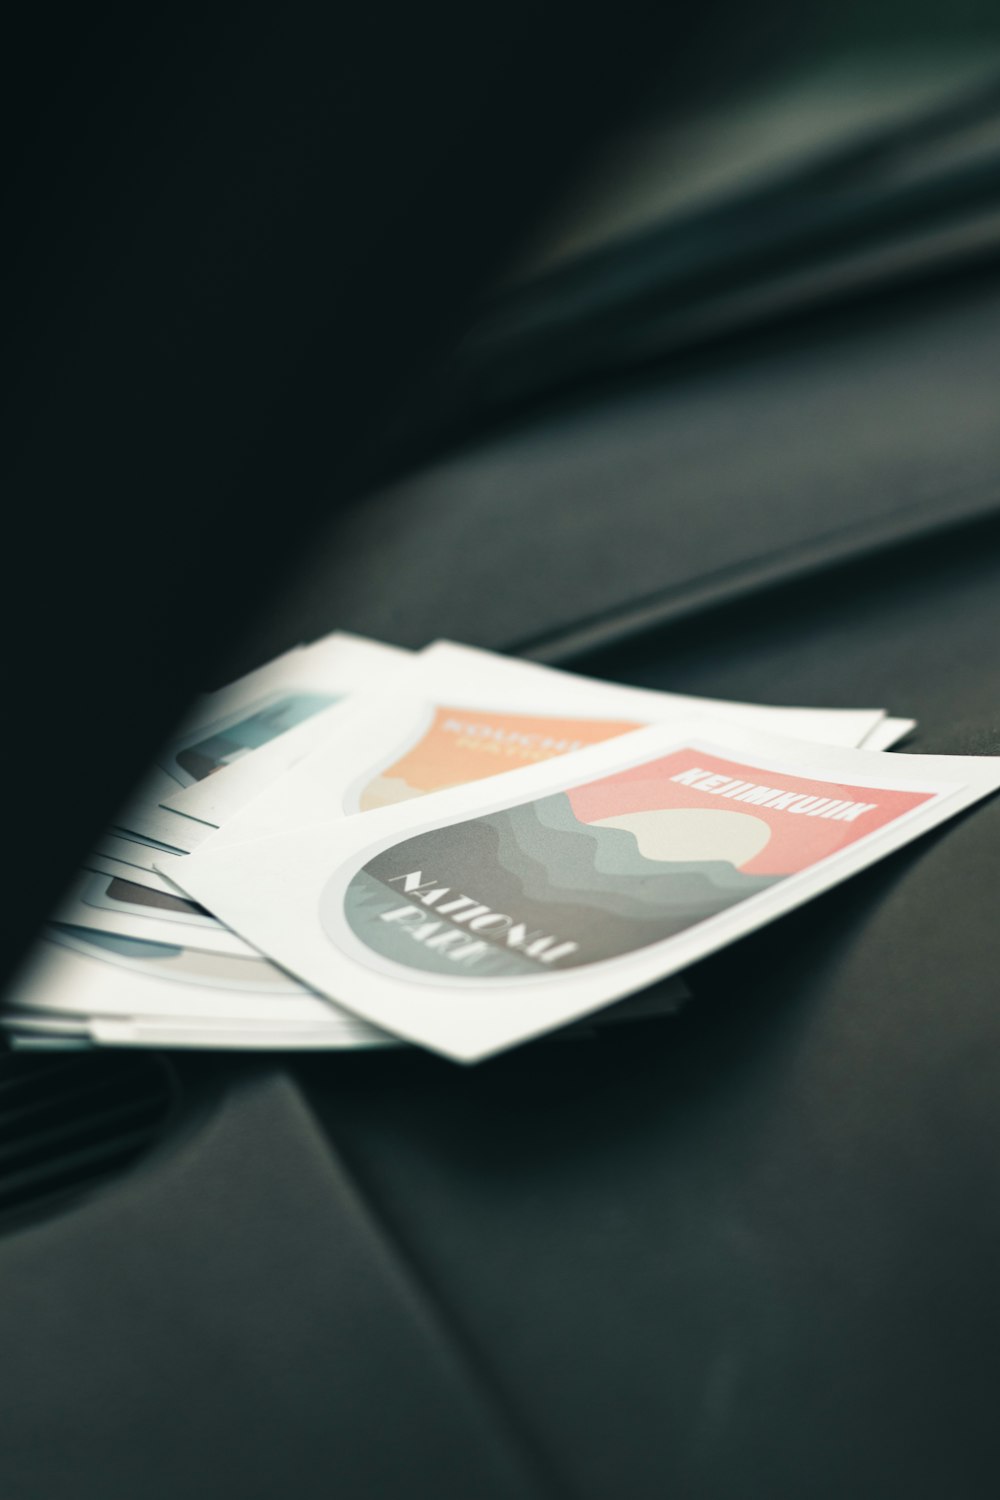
(541,866)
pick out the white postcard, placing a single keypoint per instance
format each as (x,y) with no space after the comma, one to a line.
(105,864)
(77,972)
(498,910)
(338,1031)
(246,1037)
(143,1031)
(451,676)
(239,739)
(109,903)
(887,734)
(142,853)
(223,798)
(136,993)
(458,715)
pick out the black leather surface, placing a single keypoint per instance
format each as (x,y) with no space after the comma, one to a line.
(750,1252)
(689,489)
(228,1321)
(746,1253)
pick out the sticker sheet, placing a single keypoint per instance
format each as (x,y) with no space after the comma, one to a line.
(497,910)
(109,903)
(119,991)
(243,738)
(82,973)
(458,715)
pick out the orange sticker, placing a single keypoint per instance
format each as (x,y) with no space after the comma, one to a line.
(464,745)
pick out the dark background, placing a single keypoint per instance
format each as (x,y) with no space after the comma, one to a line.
(748,1252)
(238,241)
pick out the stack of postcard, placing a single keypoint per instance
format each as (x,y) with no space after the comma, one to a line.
(357,846)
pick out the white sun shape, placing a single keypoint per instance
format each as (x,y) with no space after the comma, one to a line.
(687,834)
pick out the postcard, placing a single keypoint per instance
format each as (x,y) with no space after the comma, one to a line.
(109,903)
(29,1036)
(76,972)
(502,908)
(245,1037)
(887,734)
(239,740)
(458,715)
(222,798)
(105,864)
(139,852)
(155,785)
(137,993)
(261,708)
(143,1031)
(336,1031)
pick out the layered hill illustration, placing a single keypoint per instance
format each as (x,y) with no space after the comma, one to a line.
(537,871)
